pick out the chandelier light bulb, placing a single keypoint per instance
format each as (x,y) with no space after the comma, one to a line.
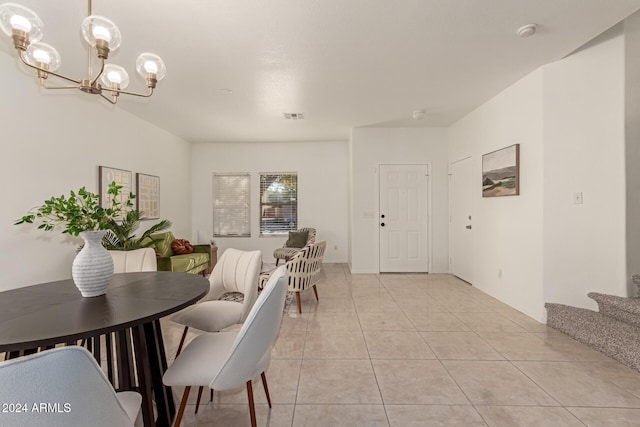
(150,63)
(96,27)
(100,32)
(38,54)
(151,67)
(114,76)
(20,23)
(16,17)
(42,56)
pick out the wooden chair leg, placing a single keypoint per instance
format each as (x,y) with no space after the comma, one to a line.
(211,397)
(252,408)
(183,404)
(199,396)
(184,335)
(315,291)
(277,261)
(299,303)
(266,389)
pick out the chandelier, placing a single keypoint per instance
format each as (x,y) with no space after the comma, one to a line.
(25,28)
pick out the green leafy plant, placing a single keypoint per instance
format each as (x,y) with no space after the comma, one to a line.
(120,235)
(79,212)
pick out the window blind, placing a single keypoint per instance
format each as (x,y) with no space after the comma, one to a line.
(278,203)
(231,205)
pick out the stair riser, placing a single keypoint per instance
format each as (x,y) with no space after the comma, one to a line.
(613,337)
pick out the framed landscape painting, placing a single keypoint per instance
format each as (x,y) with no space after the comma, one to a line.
(501,172)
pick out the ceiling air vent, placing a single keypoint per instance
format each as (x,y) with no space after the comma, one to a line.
(293,116)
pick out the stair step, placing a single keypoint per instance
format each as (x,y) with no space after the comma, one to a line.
(615,338)
(624,309)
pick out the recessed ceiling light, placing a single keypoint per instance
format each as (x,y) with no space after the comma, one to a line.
(229,91)
(418,114)
(293,116)
(527,30)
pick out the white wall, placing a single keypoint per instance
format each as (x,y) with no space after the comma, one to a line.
(584,245)
(374,146)
(632,154)
(54,142)
(322,190)
(568,117)
(507,230)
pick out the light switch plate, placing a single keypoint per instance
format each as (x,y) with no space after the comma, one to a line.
(577,198)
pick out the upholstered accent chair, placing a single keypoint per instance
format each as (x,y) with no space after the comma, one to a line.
(304,269)
(287,251)
(228,360)
(134,261)
(236,272)
(69,382)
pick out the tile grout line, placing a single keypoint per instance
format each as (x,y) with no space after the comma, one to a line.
(375,376)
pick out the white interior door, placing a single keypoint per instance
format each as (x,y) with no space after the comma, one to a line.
(461,190)
(403,221)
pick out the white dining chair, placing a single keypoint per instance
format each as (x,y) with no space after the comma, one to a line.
(228,360)
(134,261)
(63,387)
(236,272)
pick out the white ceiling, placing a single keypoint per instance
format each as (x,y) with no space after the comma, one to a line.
(343,63)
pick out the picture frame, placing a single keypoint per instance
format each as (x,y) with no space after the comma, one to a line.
(122,177)
(148,195)
(501,172)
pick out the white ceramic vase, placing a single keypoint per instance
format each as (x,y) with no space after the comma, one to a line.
(93,266)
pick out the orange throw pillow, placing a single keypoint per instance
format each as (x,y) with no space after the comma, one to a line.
(181,247)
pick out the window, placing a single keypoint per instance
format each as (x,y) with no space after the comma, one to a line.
(278,203)
(231,201)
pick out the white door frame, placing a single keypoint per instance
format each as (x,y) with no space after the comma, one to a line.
(429,208)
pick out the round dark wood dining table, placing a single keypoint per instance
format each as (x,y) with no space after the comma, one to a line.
(49,314)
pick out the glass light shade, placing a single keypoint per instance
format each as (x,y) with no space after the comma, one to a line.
(96,27)
(15,16)
(150,63)
(42,53)
(114,75)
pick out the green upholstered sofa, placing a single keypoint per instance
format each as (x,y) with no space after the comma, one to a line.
(196,262)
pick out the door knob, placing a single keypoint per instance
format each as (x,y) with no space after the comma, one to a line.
(382,224)
(468,227)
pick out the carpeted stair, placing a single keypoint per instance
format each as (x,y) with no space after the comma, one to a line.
(613,330)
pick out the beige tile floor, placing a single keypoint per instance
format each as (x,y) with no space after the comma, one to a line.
(423,350)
